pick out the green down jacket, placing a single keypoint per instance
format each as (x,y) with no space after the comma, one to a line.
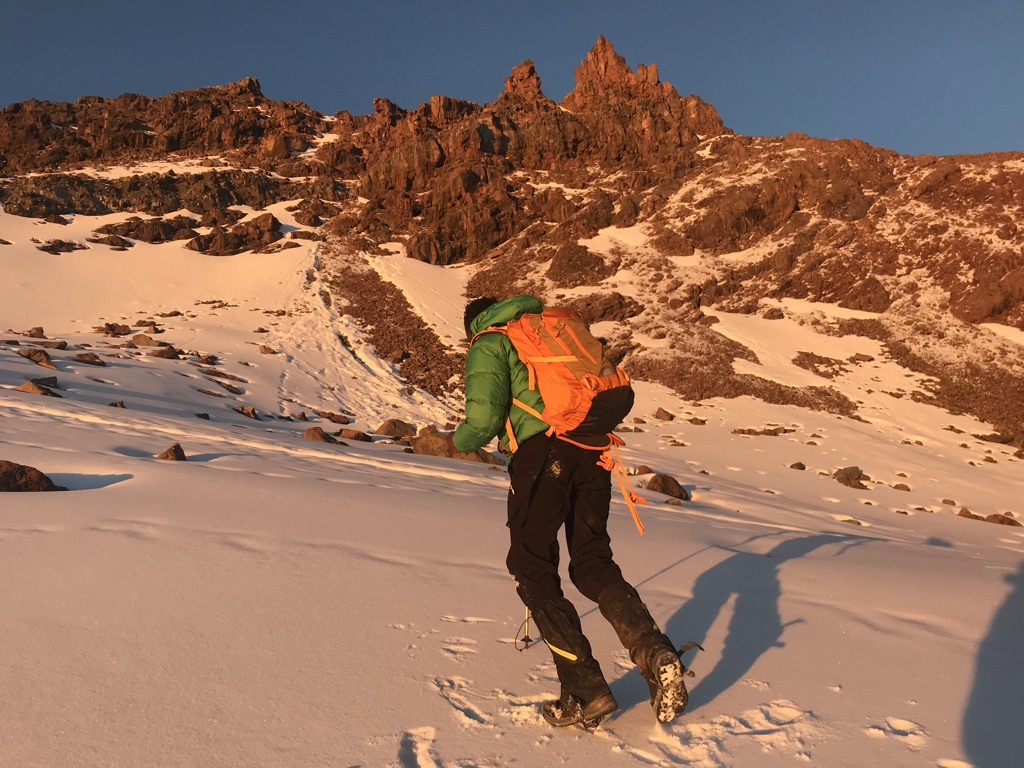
(494,375)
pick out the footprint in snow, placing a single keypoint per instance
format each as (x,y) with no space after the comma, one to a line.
(910,733)
(458,647)
(778,726)
(506,706)
(467,620)
(454,690)
(416,749)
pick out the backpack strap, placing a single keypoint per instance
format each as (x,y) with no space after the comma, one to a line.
(612,461)
(614,464)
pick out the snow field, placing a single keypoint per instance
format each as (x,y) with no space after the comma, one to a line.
(276,601)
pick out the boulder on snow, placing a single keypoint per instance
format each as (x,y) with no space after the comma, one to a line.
(851,477)
(337,418)
(145,340)
(167,353)
(317,433)
(174,453)
(20,478)
(247,410)
(37,356)
(1000,519)
(89,358)
(965,512)
(396,428)
(35,389)
(354,434)
(437,445)
(669,486)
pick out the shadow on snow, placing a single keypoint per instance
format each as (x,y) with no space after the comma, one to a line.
(755,626)
(992,733)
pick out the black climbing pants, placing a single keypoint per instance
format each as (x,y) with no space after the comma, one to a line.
(556,484)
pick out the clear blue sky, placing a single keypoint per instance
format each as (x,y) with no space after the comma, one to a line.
(918,76)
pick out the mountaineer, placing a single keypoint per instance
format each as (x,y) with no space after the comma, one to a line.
(561,477)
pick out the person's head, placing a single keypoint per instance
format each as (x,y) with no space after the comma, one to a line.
(474,308)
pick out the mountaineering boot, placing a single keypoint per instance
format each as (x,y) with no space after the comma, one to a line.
(669,696)
(585,697)
(571,711)
(653,653)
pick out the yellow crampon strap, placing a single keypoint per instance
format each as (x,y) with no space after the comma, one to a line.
(613,463)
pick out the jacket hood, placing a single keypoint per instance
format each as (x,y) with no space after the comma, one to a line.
(505,311)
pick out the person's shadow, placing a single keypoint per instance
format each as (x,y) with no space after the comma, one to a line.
(755,626)
(992,732)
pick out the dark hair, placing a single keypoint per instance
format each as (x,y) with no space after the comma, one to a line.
(474,308)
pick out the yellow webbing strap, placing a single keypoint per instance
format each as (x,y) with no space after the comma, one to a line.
(560,652)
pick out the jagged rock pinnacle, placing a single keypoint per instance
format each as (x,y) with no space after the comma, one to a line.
(524,81)
(605,76)
(522,90)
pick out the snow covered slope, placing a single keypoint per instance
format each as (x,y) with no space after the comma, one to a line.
(280,602)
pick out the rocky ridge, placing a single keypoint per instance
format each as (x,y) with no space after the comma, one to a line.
(526,189)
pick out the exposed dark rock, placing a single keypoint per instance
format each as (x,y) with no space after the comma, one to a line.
(152,230)
(573,265)
(113,329)
(61,246)
(337,418)
(851,477)
(34,135)
(599,307)
(21,478)
(765,431)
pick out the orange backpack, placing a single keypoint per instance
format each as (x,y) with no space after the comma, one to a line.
(584,393)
